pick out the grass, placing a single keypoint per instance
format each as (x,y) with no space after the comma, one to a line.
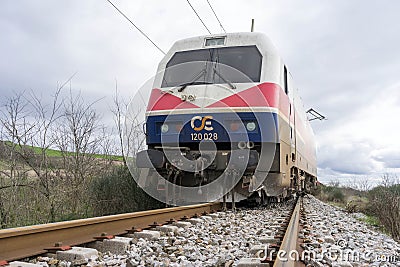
(337,204)
(371,220)
(57,153)
(374,222)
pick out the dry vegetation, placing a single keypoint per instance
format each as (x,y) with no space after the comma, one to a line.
(57,162)
(381,204)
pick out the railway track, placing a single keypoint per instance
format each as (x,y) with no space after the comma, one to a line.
(222,238)
(22,242)
(290,241)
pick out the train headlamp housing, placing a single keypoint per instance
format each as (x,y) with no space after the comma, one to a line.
(251,126)
(164,128)
(216,41)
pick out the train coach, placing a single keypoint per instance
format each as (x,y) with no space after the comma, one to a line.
(226,106)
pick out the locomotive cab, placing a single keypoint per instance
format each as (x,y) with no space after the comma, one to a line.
(220,109)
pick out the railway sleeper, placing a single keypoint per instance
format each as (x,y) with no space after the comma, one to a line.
(23,264)
(116,245)
(77,254)
(146,234)
(252,262)
(271,239)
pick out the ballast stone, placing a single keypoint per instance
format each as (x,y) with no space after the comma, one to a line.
(257,249)
(168,228)
(77,253)
(23,264)
(329,239)
(342,264)
(315,263)
(214,215)
(182,224)
(251,262)
(206,217)
(194,220)
(267,239)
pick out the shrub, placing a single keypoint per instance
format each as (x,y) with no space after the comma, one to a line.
(337,195)
(332,193)
(385,205)
(117,192)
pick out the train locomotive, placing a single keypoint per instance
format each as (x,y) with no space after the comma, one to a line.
(226,106)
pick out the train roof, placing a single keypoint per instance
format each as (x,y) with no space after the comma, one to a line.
(262,42)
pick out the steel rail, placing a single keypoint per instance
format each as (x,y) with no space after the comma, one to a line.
(23,242)
(289,242)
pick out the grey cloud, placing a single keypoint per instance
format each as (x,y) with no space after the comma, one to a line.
(389,157)
(347,157)
(350,54)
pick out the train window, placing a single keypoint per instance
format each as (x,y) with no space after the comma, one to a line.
(178,73)
(285,79)
(214,65)
(246,59)
(189,56)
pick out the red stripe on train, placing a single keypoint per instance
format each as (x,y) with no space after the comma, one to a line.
(262,95)
(160,100)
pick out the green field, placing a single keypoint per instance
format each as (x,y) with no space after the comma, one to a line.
(57,153)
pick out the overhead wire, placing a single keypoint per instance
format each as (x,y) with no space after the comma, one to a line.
(137,28)
(194,10)
(215,14)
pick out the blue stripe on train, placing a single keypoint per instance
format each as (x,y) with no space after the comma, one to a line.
(223,127)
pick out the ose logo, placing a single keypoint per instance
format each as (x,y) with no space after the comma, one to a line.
(205,123)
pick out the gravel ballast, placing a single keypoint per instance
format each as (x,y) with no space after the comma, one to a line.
(331,237)
(338,238)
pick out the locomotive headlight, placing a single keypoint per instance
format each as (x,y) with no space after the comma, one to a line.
(251,126)
(164,128)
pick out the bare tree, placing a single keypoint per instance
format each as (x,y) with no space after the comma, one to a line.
(32,180)
(26,122)
(118,109)
(334,183)
(363,184)
(129,122)
(51,153)
(389,180)
(80,138)
(133,132)
(16,131)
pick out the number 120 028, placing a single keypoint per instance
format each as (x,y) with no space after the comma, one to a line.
(204,136)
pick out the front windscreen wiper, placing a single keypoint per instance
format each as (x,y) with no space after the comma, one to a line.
(183,86)
(193,81)
(225,80)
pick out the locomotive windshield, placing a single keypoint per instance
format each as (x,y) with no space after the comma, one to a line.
(208,66)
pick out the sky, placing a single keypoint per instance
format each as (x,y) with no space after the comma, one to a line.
(344,57)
